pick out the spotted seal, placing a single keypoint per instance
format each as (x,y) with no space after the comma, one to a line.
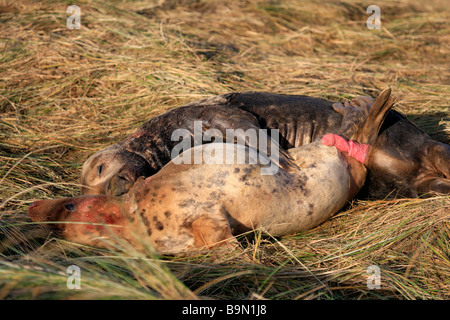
(186,207)
(405,162)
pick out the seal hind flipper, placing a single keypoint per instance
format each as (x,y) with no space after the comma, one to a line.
(363,116)
(355,113)
(377,114)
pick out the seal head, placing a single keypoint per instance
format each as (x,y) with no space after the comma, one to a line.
(112,171)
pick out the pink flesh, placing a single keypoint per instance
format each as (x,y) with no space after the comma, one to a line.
(354,149)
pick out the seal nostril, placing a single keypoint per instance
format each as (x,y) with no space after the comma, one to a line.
(33,205)
(69,206)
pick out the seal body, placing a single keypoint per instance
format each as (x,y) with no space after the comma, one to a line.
(405,162)
(186,207)
(189,207)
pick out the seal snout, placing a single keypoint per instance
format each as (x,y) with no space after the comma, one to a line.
(49,210)
(35,210)
(33,207)
(121,182)
(34,204)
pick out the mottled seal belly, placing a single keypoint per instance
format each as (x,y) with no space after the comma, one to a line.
(280,204)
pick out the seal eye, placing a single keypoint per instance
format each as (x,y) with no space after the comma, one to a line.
(69,206)
(100,169)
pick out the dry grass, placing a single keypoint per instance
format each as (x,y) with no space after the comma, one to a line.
(67,93)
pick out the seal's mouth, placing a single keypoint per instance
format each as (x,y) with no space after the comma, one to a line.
(120,184)
(46,211)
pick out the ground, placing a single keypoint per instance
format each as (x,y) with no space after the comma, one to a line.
(65,93)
